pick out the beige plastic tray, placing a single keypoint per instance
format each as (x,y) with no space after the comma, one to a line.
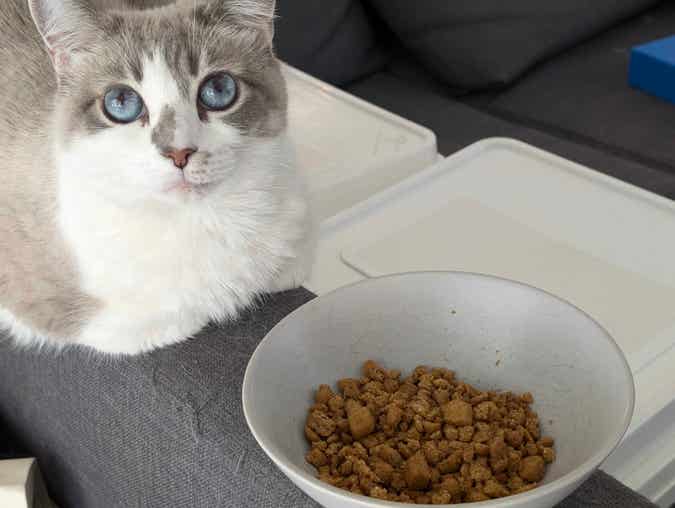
(348,148)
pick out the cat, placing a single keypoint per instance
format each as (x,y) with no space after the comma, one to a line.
(148,183)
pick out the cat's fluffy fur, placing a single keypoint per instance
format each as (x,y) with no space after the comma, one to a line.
(103,242)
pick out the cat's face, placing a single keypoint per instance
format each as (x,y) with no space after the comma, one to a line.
(163,104)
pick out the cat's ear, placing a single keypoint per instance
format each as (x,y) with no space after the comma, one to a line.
(255,14)
(66,27)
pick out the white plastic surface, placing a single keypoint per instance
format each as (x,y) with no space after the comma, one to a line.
(15,487)
(505,208)
(494,333)
(348,148)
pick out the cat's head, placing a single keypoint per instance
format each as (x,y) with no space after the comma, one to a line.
(164,103)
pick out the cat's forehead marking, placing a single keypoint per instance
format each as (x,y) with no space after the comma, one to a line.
(163,133)
(159,86)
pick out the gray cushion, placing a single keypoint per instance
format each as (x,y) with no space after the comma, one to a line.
(487,43)
(333,41)
(10,446)
(167,429)
(458,125)
(161,430)
(585,95)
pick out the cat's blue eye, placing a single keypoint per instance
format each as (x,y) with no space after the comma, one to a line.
(218,92)
(122,104)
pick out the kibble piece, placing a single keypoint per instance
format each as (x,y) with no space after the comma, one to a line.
(497,448)
(346,468)
(374,387)
(484,410)
(361,420)
(451,464)
(420,406)
(458,413)
(409,447)
(466,434)
(499,465)
(531,449)
(548,455)
(451,486)
(481,449)
(372,440)
(321,423)
(546,442)
(468,454)
(373,371)
(379,493)
(350,388)
(494,489)
(441,396)
(532,469)
(418,472)
(475,495)
(316,458)
(515,483)
(432,453)
(390,385)
(515,437)
(389,455)
(323,394)
(451,433)
(431,427)
(480,473)
(441,497)
(336,403)
(482,436)
(532,426)
(311,436)
(383,470)
(423,499)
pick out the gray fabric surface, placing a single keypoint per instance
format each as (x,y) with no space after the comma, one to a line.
(585,95)
(458,125)
(163,430)
(477,45)
(167,429)
(333,41)
(10,446)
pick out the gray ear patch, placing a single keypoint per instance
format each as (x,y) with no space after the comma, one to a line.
(163,133)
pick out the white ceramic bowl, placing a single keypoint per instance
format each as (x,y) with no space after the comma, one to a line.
(494,333)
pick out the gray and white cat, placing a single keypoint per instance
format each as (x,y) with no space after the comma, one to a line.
(147,184)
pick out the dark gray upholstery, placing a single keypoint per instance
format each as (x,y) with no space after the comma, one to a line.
(585,95)
(333,41)
(11,446)
(458,125)
(167,429)
(477,45)
(162,430)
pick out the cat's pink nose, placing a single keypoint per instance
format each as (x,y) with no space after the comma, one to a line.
(180,158)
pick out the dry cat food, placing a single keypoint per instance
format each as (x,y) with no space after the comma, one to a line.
(426,439)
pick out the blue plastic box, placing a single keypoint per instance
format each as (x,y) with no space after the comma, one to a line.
(652,68)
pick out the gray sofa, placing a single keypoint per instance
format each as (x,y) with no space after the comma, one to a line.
(167,429)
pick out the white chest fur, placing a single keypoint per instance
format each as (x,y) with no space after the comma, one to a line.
(161,271)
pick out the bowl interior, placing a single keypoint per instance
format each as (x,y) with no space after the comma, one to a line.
(494,333)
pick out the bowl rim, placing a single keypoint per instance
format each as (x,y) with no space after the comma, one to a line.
(569,480)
